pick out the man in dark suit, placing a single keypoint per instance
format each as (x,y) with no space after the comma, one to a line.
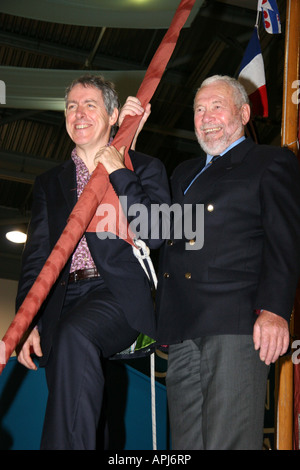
(224,309)
(102,299)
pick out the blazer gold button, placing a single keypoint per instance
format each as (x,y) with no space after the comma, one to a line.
(188,275)
(192,242)
(170,242)
(210,207)
(166,275)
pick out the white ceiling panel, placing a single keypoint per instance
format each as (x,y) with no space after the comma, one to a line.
(114,14)
(43,89)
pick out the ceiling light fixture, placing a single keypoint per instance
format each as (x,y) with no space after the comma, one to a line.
(15,236)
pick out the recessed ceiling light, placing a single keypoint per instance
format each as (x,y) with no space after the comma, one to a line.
(16,236)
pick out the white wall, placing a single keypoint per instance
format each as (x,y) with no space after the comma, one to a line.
(8,292)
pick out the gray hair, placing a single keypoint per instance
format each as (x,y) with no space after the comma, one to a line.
(109,94)
(239,92)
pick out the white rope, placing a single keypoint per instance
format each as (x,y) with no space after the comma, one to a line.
(2,353)
(259,5)
(153,401)
(142,252)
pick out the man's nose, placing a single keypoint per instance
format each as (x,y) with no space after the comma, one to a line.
(80,111)
(207,115)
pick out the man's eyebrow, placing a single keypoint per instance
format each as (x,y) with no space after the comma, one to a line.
(89,100)
(71,101)
(215,101)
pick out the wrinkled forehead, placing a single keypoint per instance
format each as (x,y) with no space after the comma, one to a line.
(84,92)
(217,91)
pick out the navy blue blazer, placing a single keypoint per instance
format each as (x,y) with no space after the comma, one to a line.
(250,258)
(54,198)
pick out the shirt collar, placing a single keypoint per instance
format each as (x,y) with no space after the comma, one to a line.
(238,141)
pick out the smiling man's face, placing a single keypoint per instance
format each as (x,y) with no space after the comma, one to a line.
(218,121)
(87,121)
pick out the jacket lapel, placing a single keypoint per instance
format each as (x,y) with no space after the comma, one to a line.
(181,182)
(67,181)
(217,170)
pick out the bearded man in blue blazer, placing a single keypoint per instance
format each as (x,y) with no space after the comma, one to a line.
(102,299)
(224,304)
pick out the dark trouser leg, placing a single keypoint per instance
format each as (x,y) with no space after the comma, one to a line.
(92,327)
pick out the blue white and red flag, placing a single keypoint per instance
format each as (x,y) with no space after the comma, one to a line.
(252,76)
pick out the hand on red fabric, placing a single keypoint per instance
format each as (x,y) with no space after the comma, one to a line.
(271,336)
(133,107)
(111,158)
(31,346)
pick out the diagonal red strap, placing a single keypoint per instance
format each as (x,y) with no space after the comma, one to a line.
(97,190)
(117,221)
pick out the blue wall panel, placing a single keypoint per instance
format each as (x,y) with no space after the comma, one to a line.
(23,396)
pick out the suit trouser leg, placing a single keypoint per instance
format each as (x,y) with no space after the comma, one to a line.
(216,393)
(92,327)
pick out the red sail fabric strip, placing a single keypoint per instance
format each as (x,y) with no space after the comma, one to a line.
(147,88)
(97,190)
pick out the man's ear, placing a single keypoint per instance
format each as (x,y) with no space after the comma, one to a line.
(245,113)
(114,117)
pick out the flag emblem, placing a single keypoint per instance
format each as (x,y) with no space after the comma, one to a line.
(271,16)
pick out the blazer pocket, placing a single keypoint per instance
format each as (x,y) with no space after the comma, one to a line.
(220,274)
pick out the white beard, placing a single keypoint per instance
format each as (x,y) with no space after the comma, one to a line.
(217,146)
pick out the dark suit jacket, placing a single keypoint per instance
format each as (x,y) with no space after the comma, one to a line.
(251,253)
(54,198)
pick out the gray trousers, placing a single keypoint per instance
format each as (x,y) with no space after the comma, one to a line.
(216,389)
